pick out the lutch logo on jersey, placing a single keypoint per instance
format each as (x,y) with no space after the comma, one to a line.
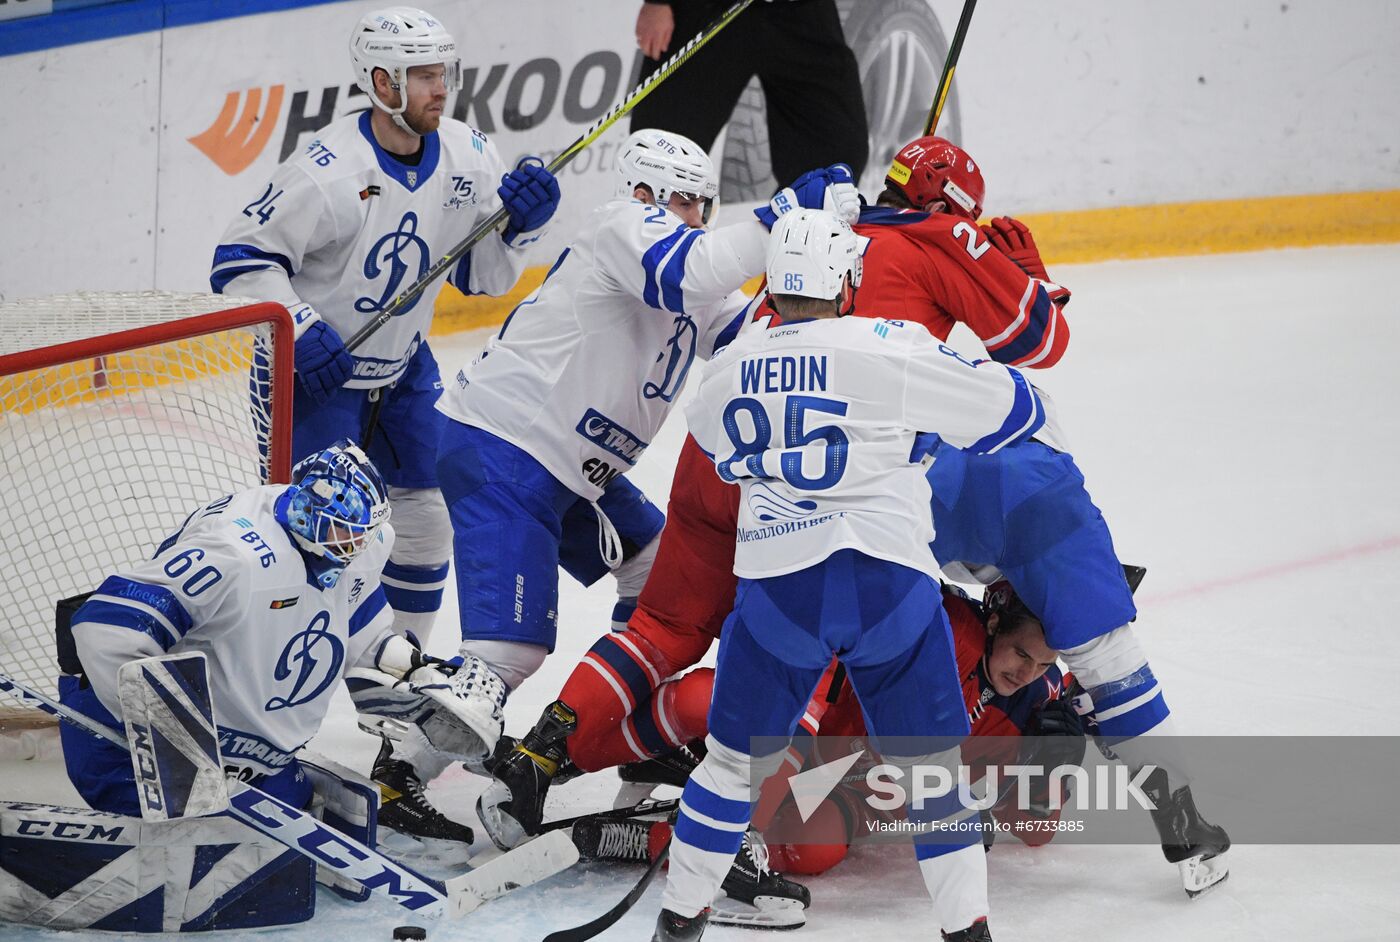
(314,656)
(611,437)
(679,355)
(392,252)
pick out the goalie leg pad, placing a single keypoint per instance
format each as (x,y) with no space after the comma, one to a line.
(348,802)
(70,868)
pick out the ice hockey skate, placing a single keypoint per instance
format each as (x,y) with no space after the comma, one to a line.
(977,932)
(409,826)
(641,778)
(673,927)
(756,897)
(1197,847)
(512,807)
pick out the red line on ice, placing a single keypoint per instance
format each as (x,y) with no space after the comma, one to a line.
(1278,569)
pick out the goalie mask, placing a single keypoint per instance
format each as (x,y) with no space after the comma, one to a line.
(336,504)
(931,169)
(667,163)
(811,253)
(396,39)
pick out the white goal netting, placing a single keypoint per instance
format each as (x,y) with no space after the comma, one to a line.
(109,438)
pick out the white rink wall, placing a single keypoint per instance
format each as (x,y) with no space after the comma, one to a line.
(1072,105)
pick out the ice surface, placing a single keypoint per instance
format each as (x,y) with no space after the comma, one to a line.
(1234,417)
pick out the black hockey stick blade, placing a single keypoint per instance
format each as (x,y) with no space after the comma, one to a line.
(1134,576)
(639,810)
(590,929)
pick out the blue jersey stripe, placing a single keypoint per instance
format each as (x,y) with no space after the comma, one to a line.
(695,834)
(116,615)
(368,609)
(1024,419)
(612,654)
(1032,333)
(257,259)
(423,575)
(672,277)
(648,732)
(157,597)
(716,806)
(651,261)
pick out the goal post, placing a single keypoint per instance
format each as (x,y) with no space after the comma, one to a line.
(119,414)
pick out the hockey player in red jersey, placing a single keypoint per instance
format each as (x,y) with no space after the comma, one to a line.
(927,262)
(930,263)
(1012,689)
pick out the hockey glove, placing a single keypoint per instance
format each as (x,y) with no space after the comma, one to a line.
(828,188)
(530,194)
(322,362)
(1054,737)
(1013,239)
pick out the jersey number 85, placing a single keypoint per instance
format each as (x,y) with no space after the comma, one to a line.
(796,435)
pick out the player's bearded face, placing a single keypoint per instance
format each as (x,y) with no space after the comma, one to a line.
(426,87)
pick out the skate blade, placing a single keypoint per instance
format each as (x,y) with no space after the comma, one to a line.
(775,913)
(632,793)
(505,832)
(1200,875)
(410,849)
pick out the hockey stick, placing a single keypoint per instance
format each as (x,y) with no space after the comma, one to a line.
(299,831)
(620,110)
(639,810)
(950,65)
(597,926)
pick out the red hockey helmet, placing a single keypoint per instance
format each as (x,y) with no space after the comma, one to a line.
(930,169)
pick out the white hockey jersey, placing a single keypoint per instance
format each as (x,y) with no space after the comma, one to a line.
(818,420)
(585,370)
(345,226)
(231,583)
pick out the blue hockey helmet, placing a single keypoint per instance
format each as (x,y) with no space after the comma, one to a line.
(336,504)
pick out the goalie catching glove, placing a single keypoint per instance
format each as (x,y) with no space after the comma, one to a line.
(441,698)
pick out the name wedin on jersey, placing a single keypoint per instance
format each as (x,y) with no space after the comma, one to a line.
(611,437)
(776,374)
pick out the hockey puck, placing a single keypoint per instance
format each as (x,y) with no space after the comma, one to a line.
(410,932)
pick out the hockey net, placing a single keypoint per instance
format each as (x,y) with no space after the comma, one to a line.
(119,414)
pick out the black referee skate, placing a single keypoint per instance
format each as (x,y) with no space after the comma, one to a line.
(409,825)
(977,932)
(777,902)
(1191,842)
(671,927)
(512,807)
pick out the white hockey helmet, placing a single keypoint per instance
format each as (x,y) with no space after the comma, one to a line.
(666,163)
(395,39)
(810,253)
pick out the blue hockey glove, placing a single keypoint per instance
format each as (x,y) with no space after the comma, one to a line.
(322,362)
(530,194)
(829,188)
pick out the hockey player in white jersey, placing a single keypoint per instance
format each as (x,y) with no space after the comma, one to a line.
(343,228)
(279,587)
(817,420)
(565,399)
